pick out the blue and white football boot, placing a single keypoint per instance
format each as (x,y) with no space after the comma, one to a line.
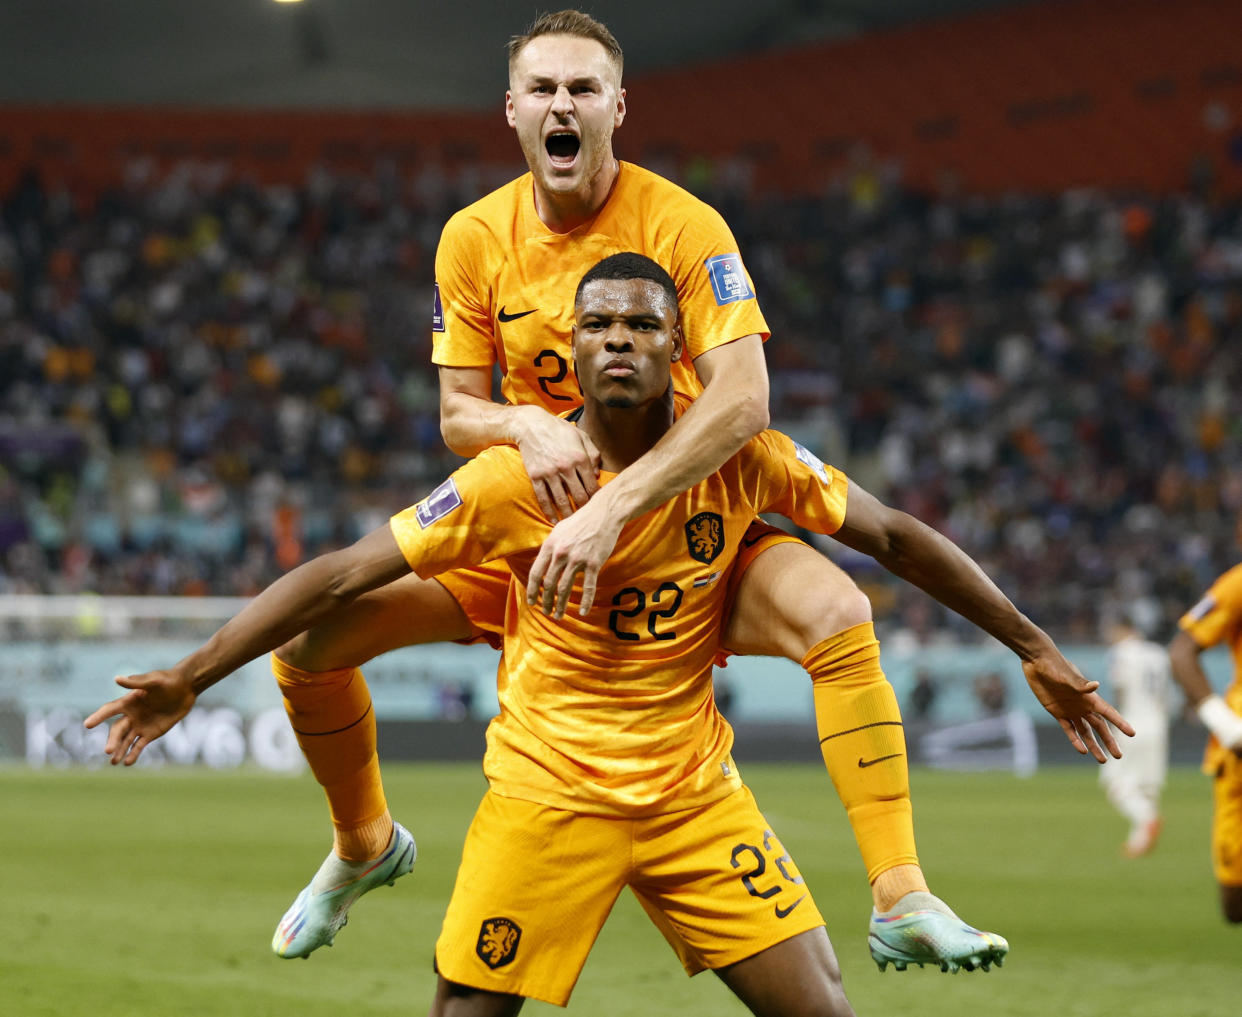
(921,929)
(323,906)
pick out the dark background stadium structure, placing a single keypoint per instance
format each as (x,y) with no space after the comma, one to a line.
(214,334)
(389,54)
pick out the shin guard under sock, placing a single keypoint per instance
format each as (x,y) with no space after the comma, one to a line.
(334,722)
(863,744)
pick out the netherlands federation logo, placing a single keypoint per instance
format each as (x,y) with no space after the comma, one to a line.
(498,941)
(728,277)
(438,504)
(705,537)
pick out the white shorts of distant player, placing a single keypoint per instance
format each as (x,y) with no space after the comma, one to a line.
(1133,783)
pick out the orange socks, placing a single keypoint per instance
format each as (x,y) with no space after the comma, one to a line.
(334,722)
(864,748)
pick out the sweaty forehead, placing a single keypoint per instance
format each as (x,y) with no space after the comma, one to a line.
(624,297)
(563,58)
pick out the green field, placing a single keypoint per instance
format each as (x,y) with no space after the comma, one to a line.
(153,893)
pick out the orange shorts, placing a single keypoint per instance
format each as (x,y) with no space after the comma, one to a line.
(1227,819)
(483,592)
(536,884)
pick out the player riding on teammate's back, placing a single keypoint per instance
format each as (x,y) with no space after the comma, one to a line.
(500,303)
(609,765)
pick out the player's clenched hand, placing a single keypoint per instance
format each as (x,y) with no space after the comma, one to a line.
(1084,715)
(562,462)
(577,545)
(155,702)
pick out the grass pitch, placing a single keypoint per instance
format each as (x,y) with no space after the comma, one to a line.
(156,892)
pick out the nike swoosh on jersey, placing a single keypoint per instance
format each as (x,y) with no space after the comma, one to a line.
(504,315)
(784,912)
(863,763)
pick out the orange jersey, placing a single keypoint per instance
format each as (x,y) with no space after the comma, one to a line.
(505,283)
(613,713)
(1217,618)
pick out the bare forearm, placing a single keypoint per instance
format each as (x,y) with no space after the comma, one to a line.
(933,563)
(470,424)
(295,603)
(292,604)
(701,440)
(1188,669)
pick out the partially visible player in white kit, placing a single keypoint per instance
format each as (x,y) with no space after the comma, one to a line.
(1142,688)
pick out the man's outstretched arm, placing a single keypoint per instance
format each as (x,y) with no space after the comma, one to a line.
(732,409)
(292,604)
(915,552)
(1217,717)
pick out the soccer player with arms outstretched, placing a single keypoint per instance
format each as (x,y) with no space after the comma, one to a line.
(609,765)
(506,269)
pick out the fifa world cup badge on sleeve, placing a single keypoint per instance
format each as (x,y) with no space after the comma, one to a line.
(728,277)
(1202,609)
(437,313)
(438,504)
(808,457)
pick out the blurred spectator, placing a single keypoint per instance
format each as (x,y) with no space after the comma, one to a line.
(455,700)
(203,381)
(990,693)
(922,695)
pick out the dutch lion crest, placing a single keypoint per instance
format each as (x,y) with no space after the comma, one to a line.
(705,537)
(498,941)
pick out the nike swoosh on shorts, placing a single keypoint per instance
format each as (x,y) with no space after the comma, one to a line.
(784,912)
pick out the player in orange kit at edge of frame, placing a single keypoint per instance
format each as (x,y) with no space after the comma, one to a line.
(1216,619)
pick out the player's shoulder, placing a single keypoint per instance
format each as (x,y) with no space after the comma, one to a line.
(494,476)
(772,450)
(1226,591)
(662,196)
(505,458)
(640,178)
(773,444)
(491,215)
(1222,599)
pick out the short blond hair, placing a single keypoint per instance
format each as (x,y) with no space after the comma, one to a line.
(568,22)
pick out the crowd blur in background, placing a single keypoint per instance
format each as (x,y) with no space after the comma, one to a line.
(204,382)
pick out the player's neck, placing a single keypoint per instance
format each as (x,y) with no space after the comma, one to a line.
(624,435)
(563,213)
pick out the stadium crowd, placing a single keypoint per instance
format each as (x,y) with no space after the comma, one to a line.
(204,382)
